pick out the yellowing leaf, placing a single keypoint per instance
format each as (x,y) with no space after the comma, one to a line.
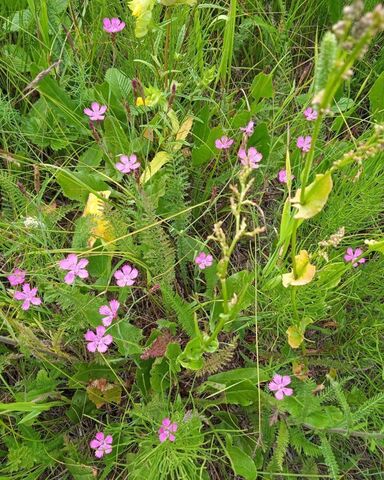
(142,10)
(305,271)
(183,132)
(95,208)
(315,197)
(101,392)
(160,159)
(375,245)
(296,333)
(295,336)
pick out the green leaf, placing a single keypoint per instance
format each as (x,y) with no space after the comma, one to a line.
(119,83)
(376,99)
(242,464)
(262,86)
(342,105)
(160,159)
(305,271)
(78,185)
(127,337)
(261,139)
(207,151)
(315,197)
(330,275)
(100,392)
(232,376)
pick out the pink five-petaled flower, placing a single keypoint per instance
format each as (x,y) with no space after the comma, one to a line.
(352,255)
(282,176)
(75,266)
(98,341)
(279,386)
(102,444)
(203,260)
(17,277)
(109,312)
(96,112)
(248,129)
(167,430)
(113,25)
(28,295)
(250,159)
(310,114)
(127,164)
(304,143)
(223,143)
(126,276)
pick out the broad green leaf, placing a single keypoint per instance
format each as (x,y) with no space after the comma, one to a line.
(192,356)
(342,105)
(296,332)
(127,337)
(262,86)
(242,464)
(305,271)
(330,275)
(375,245)
(261,139)
(160,159)
(315,197)
(119,83)
(376,98)
(78,185)
(207,151)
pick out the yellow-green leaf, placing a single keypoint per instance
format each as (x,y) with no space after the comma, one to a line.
(305,271)
(95,207)
(315,197)
(375,245)
(160,159)
(295,333)
(101,392)
(183,132)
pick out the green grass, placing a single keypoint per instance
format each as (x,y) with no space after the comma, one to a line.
(50,161)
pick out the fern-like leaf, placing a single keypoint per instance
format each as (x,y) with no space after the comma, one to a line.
(329,457)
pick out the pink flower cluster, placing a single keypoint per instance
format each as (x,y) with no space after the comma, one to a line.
(127,164)
(75,267)
(203,260)
(98,340)
(27,294)
(353,256)
(113,25)
(102,444)
(167,430)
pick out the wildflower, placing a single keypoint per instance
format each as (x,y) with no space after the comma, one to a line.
(304,143)
(250,159)
(17,277)
(96,112)
(102,444)
(127,164)
(352,255)
(166,430)
(279,385)
(126,276)
(282,176)
(28,295)
(75,266)
(223,143)
(98,341)
(113,25)
(110,312)
(310,114)
(32,222)
(203,260)
(248,129)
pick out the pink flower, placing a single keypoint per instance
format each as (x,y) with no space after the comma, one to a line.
(96,112)
(304,143)
(351,256)
(250,159)
(126,276)
(75,266)
(248,129)
(102,444)
(203,260)
(127,164)
(17,277)
(310,114)
(110,312)
(279,385)
(282,176)
(28,295)
(166,430)
(223,143)
(113,25)
(98,341)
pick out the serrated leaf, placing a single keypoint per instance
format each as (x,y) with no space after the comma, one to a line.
(315,197)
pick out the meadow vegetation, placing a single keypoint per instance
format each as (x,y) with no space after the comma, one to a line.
(191,239)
